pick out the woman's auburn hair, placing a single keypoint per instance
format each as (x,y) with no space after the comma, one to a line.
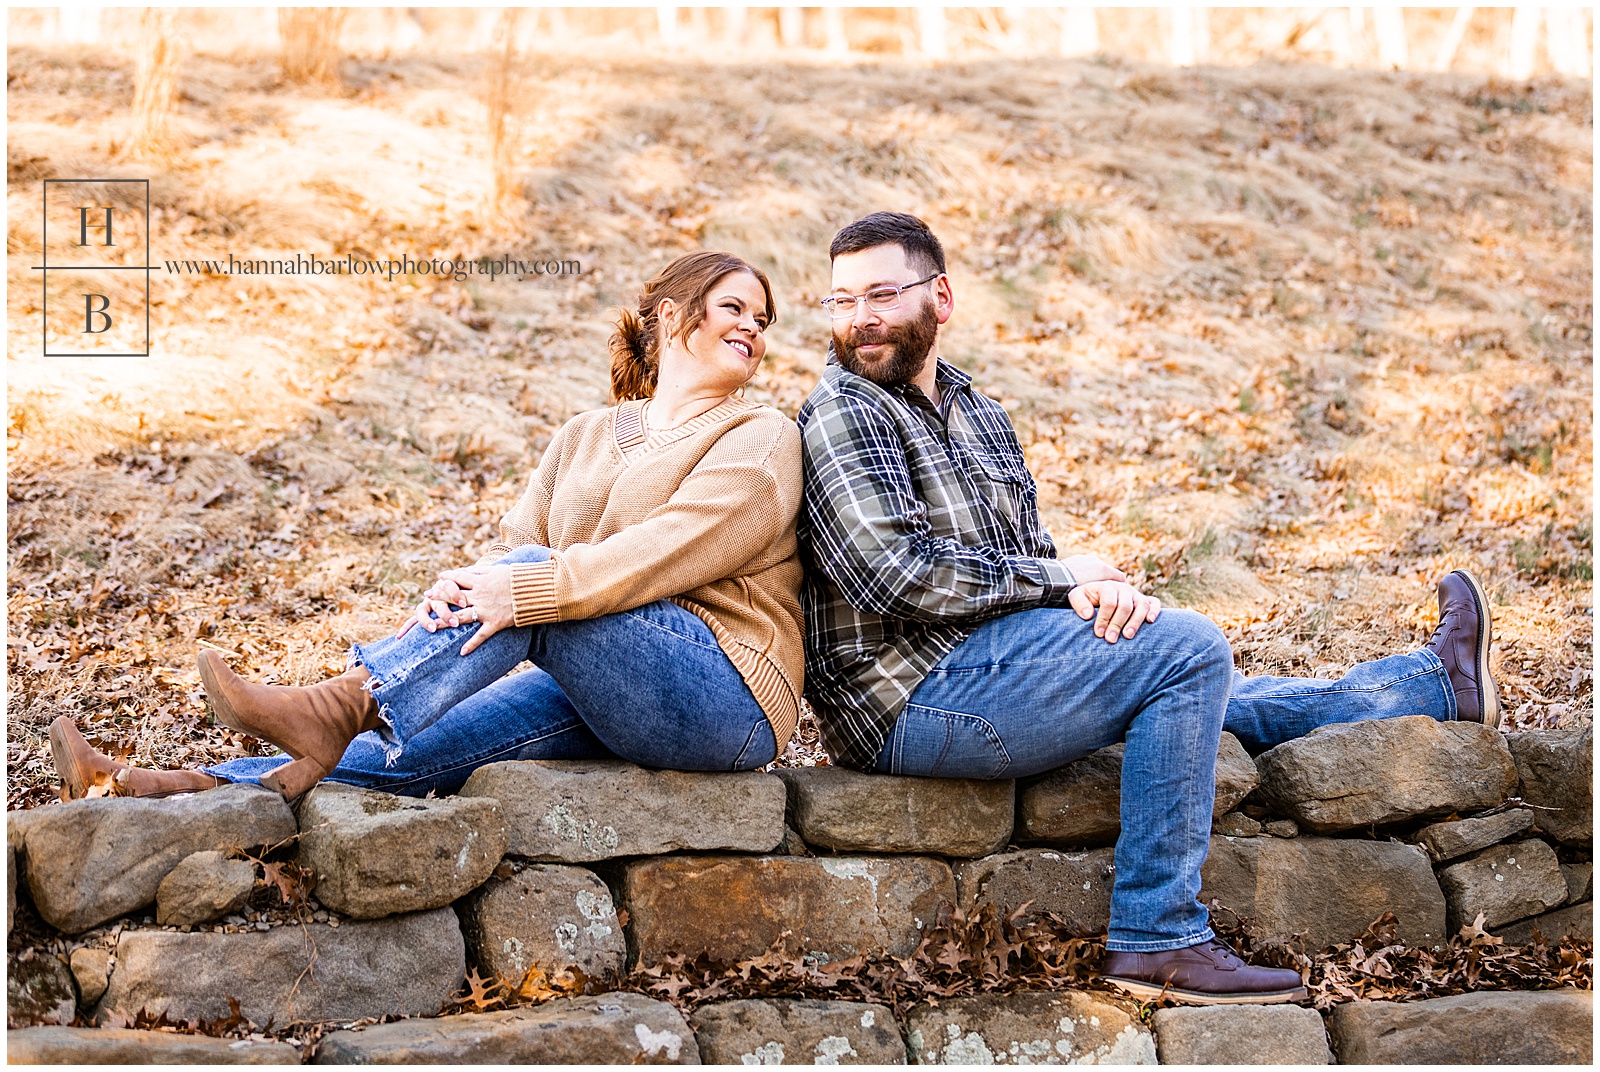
(636,343)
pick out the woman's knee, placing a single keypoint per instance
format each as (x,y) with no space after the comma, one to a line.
(528,552)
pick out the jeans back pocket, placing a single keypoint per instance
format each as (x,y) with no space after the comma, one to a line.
(929,743)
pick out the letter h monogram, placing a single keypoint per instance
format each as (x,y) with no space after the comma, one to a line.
(92,308)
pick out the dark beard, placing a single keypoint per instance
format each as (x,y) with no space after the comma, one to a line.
(911,343)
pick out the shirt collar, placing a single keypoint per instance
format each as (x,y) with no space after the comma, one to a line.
(947,375)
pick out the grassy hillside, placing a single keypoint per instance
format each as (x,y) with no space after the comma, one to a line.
(1286,342)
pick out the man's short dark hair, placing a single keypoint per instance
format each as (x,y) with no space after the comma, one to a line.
(923,251)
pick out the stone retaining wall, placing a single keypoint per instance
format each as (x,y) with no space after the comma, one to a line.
(595,869)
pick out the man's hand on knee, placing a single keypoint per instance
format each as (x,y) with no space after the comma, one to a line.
(1122,608)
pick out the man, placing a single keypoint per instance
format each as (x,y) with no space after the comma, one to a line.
(946,639)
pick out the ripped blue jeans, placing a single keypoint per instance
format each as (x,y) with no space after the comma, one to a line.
(649,685)
(1037,689)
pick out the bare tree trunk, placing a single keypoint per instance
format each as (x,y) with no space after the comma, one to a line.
(699,29)
(1452,38)
(79,25)
(155,85)
(792,26)
(1080,31)
(1524,42)
(734,25)
(503,92)
(1567,39)
(1356,19)
(1336,27)
(931,36)
(1016,38)
(405,32)
(833,25)
(309,40)
(667,25)
(1191,36)
(1391,30)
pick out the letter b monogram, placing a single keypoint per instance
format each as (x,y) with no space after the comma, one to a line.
(91,310)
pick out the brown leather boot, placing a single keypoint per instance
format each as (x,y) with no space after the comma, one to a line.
(81,768)
(314,724)
(1462,643)
(295,778)
(1205,974)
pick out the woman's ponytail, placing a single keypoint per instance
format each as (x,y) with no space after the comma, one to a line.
(633,355)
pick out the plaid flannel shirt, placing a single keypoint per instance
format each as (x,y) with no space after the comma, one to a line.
(918,524)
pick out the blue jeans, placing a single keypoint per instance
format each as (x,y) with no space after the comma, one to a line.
(648,685)
(1037,689)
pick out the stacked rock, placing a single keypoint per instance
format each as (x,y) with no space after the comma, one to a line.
(582,871)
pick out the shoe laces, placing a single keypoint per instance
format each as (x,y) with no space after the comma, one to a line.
(1446,621)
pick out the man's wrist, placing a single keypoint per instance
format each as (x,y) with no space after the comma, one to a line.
(1056,579)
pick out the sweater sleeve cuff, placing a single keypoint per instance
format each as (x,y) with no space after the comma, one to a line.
(533,593)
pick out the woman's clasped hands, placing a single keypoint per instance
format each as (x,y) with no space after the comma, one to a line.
(462,596)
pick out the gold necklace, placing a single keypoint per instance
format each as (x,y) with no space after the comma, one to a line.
(644,414)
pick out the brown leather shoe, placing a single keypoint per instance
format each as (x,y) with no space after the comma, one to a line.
(81,768)
(1205,974)
(1462,643)
(314,724)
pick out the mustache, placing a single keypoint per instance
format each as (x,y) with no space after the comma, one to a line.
(908,345)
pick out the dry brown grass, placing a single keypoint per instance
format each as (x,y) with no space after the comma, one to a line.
(1288,342)
(309,44)
(502,96)
(155,86)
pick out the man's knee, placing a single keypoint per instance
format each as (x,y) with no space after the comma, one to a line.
(1192,634)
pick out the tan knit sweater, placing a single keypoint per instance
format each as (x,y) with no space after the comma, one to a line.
(703,515)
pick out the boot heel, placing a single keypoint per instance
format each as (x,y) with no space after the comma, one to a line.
(294,779)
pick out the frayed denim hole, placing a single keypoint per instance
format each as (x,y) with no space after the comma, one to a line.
(392,746)
(358,657)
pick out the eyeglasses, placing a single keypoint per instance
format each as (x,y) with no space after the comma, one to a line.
(878,299)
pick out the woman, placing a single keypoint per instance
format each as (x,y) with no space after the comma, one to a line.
(650,572)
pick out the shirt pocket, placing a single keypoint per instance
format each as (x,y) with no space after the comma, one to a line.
(1010,489)
(1004,468)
